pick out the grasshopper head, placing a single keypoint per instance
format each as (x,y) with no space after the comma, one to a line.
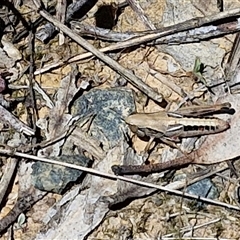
(135,123)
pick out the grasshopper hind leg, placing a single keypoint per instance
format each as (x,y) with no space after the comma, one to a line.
(167,141)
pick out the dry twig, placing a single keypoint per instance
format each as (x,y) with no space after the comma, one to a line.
(166,35)
(6,116)
(60,14)
(233,60)
(7,177)
(137,82)
(114,177)
(184,37)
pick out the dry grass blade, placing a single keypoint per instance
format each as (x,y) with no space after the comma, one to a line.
(182,184)
(191,228)
(139,11)
(186,96)
(114,177)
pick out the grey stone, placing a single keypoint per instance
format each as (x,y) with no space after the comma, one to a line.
(109,108)
(56,178)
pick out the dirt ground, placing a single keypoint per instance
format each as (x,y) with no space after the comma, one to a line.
(158,215)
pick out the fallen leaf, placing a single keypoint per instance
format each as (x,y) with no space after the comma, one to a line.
(223,146)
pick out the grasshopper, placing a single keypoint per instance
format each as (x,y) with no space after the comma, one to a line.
(182,123)
(164,125)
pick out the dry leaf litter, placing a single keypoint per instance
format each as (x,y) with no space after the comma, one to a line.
(81,111)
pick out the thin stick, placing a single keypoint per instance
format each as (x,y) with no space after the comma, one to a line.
(183,183)
(114,177)
(137,82)
(162,32)
(190,36)
(32,109)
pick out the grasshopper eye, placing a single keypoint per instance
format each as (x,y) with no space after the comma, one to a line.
(136,130)
(133,128)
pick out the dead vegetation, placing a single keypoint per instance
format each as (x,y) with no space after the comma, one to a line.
(72,79)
